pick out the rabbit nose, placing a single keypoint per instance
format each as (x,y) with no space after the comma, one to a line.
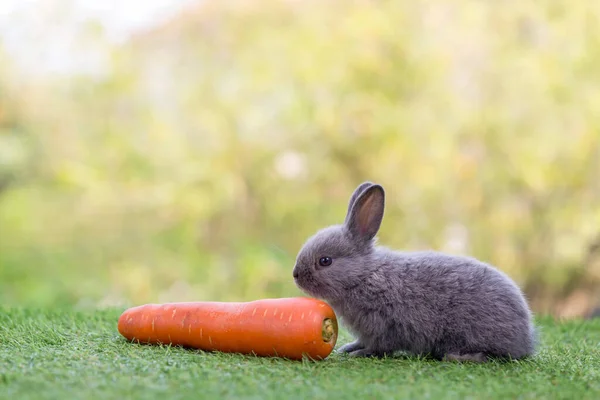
(295,273)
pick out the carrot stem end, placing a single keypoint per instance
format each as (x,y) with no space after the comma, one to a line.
(328,330)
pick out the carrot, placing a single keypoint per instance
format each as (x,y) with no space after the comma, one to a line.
(284,327)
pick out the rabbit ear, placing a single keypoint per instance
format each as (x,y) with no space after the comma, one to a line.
(361,188)
(364,219)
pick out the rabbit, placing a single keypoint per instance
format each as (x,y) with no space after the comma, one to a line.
(427,303)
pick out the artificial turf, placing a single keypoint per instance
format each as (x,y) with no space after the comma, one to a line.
(63,354)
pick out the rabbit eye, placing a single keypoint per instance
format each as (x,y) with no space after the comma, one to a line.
(325,261)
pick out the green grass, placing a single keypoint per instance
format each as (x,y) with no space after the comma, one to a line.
(70,355)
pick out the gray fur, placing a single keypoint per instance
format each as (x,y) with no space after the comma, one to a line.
(425,303)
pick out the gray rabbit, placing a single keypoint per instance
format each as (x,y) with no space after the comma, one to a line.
(424,303)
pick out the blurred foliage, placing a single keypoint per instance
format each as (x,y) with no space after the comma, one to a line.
(197,165)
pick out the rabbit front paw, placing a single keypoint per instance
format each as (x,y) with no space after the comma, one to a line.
(471,357)
(351,347)
(364,353)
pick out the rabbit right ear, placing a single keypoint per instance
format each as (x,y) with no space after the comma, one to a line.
(364,219)
(357,192)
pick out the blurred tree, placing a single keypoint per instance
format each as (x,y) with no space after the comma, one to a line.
(216,143)
(13,155)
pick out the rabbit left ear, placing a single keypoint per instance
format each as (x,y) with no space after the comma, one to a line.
(365,215)
(357,192)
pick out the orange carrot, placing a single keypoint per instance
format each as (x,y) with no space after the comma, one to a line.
(284,327)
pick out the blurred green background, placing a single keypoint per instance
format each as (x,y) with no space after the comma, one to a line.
(190,158)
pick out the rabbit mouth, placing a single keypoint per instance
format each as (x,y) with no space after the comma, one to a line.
(299,282)
(309,286)
(304,284)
